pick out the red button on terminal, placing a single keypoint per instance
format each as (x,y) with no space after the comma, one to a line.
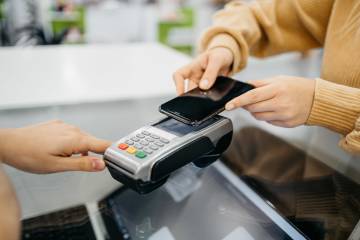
(123,146)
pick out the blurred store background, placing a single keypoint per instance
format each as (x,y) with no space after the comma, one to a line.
(106,66)
(176,23)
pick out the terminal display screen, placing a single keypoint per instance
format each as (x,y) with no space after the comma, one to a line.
(181,129)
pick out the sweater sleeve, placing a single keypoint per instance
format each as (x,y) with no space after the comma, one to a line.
(268,27)
(337,107)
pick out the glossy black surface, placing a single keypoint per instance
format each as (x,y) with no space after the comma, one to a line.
(73,223)
(318,200)
(194,204)
(197,105)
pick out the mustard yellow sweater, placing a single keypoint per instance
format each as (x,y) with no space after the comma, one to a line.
(268,27)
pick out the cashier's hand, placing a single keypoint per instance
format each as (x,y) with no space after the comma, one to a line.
(204,70)
(283,101)
(50,147)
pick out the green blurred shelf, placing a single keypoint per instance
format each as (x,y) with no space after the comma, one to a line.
(2,14)
(62,21)
(166,28)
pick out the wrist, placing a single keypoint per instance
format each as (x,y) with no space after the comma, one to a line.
(225,55)
(227,52)
(5,142)
(228,42)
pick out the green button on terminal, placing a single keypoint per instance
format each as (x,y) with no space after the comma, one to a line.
(140,154)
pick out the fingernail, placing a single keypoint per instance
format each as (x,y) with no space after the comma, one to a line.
(98,164)
(230,106)
(204,83)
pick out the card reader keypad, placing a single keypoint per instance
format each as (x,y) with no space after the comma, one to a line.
(143,144)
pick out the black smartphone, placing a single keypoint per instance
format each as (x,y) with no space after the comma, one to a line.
(196,106)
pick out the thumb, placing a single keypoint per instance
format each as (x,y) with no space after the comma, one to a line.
(83,163)
(212,71)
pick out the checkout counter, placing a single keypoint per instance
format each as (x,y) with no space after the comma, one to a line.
(272,183)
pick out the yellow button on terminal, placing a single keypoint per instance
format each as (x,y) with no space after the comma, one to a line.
(131,150)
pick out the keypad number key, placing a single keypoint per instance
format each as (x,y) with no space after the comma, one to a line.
(154,147)
(129,142)
(165,141)
(141,136)
(144,142)
(148,150)
(154,136)
(160,144)
(146,133)
(138,146)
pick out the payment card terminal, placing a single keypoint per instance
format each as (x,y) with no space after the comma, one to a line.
(144,159)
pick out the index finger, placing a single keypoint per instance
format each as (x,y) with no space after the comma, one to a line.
(179,78)
(211,72)
(179,81)
(253,96)
(260,83)
(96,145)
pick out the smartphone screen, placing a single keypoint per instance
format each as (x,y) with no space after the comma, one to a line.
(196,106)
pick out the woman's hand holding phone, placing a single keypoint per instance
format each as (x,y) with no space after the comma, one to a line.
(284,101)
(204,69)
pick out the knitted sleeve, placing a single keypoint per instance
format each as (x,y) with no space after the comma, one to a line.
(267,27)
(337,107)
